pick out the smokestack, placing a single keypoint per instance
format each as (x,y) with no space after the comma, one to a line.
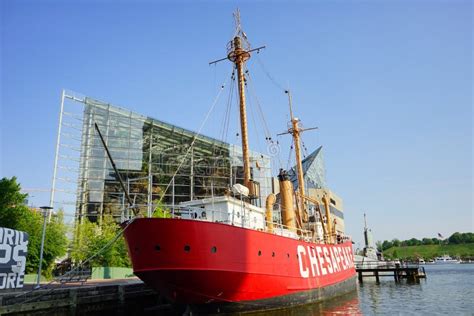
(269,213)
(287,205)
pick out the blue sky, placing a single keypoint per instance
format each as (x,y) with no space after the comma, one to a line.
(389,84)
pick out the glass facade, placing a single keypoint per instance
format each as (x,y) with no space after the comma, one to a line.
(155,160)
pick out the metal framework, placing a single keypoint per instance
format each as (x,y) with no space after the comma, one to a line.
(147,153)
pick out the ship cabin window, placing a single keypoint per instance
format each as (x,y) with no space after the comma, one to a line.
(157,248)
(187,248)
(214,249)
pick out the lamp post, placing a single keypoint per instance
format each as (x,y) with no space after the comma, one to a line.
(45,210)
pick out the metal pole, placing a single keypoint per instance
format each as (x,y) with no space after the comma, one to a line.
(150,177)
(46,212)
(173,197)
(58,139)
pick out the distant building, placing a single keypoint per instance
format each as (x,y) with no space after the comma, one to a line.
(314,175)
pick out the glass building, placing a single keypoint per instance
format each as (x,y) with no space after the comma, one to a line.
(159,163)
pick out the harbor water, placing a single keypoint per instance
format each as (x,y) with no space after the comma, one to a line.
(447,290)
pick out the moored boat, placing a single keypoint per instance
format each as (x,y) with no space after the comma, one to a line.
(446,259)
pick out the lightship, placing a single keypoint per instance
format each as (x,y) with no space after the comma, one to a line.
(226,253)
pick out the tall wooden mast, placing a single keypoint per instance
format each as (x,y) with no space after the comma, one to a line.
(238,55)
(238,52)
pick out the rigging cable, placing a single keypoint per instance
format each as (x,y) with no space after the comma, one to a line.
(254,121)
(289,156)
(195,138)
(272,146)
(225,123)
(262,116)
(269,76)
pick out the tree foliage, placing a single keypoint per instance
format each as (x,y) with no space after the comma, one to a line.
(90,240)
(15,214)
(456,238)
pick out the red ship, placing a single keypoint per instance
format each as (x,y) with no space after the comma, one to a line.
(226,253)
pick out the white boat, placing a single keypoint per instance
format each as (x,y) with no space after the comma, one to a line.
(446,259)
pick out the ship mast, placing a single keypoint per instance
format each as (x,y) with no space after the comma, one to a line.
(238,52)
(238,55)
(295,130)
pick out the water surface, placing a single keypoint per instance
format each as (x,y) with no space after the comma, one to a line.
(447,290)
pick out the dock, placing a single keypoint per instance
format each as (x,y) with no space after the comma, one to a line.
(378,269)
(121,297)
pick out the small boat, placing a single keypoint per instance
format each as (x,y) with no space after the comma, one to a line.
(446,259)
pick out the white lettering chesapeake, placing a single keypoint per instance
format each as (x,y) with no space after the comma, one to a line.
(313,261)
(304,271)
(351,257)
(333,260)
(341,258)
(328,260)
(321,261)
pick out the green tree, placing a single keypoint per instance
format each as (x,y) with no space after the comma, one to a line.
(386,245)
(413,242)
(427,241)
(15,214)
(379,245)
(455,238)
(396,243)
(12,208)
(94,240)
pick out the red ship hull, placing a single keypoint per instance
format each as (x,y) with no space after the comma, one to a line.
(196,262)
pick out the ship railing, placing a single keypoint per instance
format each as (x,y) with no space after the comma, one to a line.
(302,234)
(376,264)
(224,217)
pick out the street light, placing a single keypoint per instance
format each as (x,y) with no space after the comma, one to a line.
(45,210)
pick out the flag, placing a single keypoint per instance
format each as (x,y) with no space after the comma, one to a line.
(440,236)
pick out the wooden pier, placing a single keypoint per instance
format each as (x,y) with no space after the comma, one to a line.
(377,269)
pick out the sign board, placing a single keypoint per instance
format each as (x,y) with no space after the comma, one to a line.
(13,251)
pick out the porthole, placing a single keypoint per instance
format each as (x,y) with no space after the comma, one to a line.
(273,254)
(259,252)
(187,248)
(214,249)
(288,255)
(157,248)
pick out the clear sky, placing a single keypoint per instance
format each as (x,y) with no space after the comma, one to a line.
(389,84)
